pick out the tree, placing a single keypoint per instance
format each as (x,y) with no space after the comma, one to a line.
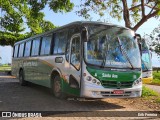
(134,13)
(154,39)
(16,14)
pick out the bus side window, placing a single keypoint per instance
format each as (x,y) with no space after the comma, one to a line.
(27,49)
(75,52)
(46,44)
(15,51)
(35,47)
(21,49)
(60,41)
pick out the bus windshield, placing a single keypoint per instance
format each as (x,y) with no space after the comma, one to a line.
(146,57)
(110,46)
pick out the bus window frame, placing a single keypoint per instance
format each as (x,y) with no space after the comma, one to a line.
(24,48)
(70,51)
(40,45)
(69,37)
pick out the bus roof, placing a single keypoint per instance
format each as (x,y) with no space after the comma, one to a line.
(70,24)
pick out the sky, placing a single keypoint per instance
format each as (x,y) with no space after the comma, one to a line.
(60,19)
(5,54)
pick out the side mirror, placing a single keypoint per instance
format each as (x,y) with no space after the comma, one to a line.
(138,36)
(84,34)
(59,59)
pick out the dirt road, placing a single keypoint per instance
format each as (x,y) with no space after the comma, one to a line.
(14,97)
(154,87)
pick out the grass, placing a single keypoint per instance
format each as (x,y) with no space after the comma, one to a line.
(148,93)
(158,100)
(4,65)
(156,78)
(5,68)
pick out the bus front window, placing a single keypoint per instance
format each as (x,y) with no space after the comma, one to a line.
(146,57)
(146,61)
(112,47)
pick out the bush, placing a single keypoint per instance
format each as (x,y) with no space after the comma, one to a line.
(5,65)
(156,75)
(156,78)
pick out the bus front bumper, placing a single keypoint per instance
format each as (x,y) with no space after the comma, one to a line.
(92,91)
(147,80)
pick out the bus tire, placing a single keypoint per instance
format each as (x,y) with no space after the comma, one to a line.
(21,78)
(57,88)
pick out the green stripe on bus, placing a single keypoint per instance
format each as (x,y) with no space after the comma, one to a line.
(114,75)
(67,89)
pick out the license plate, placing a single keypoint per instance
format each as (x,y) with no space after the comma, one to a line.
(118,92)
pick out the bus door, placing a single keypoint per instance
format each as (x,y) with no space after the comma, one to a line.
(75,61)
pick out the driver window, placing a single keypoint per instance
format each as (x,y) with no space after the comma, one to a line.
(75,52)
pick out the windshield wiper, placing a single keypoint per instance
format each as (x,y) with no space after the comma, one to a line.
(124,52)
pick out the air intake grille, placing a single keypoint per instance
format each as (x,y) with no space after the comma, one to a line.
(117,84)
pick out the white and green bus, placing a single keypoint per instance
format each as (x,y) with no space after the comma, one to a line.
(83,59)
(147,76)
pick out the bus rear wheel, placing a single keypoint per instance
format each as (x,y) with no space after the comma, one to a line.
(57,88)
(21,78)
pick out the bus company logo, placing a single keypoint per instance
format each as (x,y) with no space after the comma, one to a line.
(95,74)
(134,76)
(30,64)
(21,114)
(118,84)
(6,114)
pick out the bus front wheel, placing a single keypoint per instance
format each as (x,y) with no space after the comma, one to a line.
(57,88)
(21,78)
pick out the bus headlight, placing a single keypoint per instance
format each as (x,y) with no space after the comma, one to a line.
(98,83)
(89,78)
(93,80)
(137,82)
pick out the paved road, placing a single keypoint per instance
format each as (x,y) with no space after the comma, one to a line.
(14,97)
(154,87)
